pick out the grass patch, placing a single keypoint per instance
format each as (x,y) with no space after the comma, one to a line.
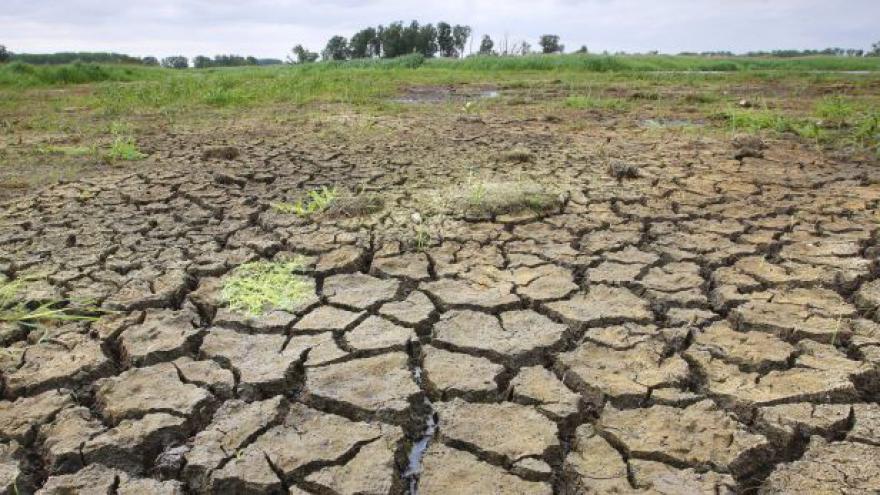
(487,198)
(71,151)
(124,148)
(261,286)
(13,309)
(836,110)
(316,202)
(348,205)
(330,202)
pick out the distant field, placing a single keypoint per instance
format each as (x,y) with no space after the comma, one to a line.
(57,121)
(23,75)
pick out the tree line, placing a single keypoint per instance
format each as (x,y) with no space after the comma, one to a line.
(429,40)
(390,41)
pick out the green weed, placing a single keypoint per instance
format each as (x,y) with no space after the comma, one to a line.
(260,286)
(316,202)
(15,310)
(835,109)
(71,151)
(124,148)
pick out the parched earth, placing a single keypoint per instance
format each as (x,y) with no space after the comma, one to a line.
(709,326)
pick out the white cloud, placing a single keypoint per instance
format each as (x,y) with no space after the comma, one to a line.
(270,27)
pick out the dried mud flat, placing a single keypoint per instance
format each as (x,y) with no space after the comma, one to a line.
(708,326)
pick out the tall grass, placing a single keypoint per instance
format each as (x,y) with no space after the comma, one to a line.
(21,75)
(647,63)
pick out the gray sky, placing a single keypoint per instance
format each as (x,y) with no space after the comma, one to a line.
(268,28)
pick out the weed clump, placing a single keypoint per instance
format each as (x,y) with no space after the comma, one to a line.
(748,146)
(316,202)
(220,153)
(261,286)
(355,205)
(622,170)
(518,154)
(482,198)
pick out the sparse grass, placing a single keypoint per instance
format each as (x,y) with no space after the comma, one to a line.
(835,109)
(331,202)
(355,205)
(261,286)
(70,151)
(518,154)
(14,309)
(487,198)
(592,103)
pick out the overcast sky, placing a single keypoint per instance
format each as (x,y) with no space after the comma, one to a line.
(268,28)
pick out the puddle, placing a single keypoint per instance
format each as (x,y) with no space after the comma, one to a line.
(417,451)
(435,94)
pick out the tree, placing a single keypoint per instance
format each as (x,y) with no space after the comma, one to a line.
(445,41)
(410,38)
(426,41)
(151,61)
(550,44)
(875,50)
(583,49)
(362,44)
(525,48)
(302,55)
(392,40)
(202,62)
(460,35)
(175,62)
(336,49)
(5,54)
(486,45)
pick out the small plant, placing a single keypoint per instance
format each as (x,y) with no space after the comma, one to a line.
(13,309)
(316,202)
(260,286)
(835,109)
(123,146)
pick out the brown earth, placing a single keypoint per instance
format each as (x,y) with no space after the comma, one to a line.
(706,325)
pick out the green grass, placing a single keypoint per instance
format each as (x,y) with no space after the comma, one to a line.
(316,202)
(261,286)
(22,75)
(124,148)
(13,309)
(71,151)
(835,122)
(648,63)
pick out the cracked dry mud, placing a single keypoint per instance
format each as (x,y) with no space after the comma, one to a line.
(708,327)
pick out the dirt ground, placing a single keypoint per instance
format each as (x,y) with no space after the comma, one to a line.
(688,318)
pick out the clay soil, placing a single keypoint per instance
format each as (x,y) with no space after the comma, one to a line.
(686,317)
